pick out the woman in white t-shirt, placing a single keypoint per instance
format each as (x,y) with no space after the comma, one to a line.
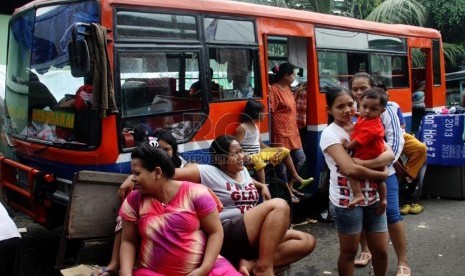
(256,237)
(349,222)
(9,244)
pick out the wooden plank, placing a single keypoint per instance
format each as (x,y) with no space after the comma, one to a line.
(94,205)
(80,270)
(100,178)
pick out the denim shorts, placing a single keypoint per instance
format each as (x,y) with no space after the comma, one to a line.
(392,197)
(351,221)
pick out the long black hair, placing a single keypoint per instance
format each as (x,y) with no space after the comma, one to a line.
(152,157)
(219,149)
(332,92)
(169,138)
(365,75)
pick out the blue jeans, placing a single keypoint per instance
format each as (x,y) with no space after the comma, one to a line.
(351,221)
(392,196)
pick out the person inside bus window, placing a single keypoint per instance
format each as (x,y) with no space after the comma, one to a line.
(195,91)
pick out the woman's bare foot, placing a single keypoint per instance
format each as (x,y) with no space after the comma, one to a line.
(294,198)
(358,198)
(246,266)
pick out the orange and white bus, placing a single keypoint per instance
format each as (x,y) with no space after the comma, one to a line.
(144,57)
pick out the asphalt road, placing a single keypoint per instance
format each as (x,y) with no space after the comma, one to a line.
(436,241)
(436,238)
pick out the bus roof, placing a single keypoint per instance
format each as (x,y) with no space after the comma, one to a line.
(254,10)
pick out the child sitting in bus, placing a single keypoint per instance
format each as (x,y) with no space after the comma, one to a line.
(367,140)
(258,154)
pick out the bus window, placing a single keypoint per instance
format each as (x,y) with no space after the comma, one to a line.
(151,83)
(234,70)
(41,97)
(155,85)
(391,70)
(332,69)
(344,53)
(135,25)
(338,67)
(231,31)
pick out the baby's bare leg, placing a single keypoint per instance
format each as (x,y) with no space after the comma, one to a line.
(356,187)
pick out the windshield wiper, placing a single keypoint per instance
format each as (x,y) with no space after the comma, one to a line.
(69,144)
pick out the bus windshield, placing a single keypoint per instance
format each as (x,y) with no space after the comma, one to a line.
(41,94)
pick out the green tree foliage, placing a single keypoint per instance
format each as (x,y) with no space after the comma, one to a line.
(362,8)
(448,16)
(408,12)
(444,15)
(323,6)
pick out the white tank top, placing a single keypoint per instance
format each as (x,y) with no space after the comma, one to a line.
(251,142)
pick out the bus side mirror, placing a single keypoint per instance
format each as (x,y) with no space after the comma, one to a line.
(79,60)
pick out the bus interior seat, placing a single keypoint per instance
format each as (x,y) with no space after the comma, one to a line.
(135,94)
(162,86)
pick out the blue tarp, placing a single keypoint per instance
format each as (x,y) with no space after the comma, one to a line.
(444,138)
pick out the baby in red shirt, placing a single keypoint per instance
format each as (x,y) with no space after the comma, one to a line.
(367,140)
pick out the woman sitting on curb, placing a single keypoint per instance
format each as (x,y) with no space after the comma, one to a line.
(172,226)
(167,143)
(257,238)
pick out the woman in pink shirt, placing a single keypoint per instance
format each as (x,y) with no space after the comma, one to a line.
(172,226)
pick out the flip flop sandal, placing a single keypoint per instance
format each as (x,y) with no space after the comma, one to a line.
(363,260)
(295,199)
(403,271)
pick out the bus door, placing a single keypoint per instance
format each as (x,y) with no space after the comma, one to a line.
(293,43)
(427,82)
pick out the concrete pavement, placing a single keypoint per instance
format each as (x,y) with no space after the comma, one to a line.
(436,243)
